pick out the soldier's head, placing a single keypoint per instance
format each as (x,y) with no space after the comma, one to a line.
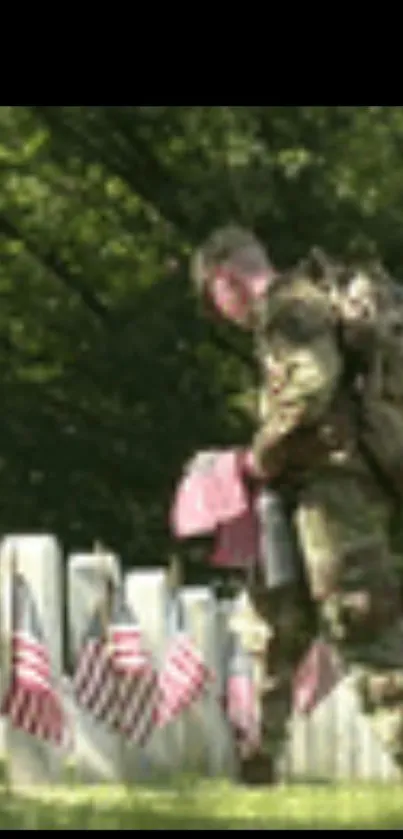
(232,272)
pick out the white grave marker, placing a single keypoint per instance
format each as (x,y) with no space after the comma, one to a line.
(336,742)
(98,751)
(146,593)
(38,559)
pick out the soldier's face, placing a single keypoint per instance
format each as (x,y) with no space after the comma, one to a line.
(234,297)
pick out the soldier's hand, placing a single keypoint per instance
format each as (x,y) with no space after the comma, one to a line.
(269,461)
(250,467)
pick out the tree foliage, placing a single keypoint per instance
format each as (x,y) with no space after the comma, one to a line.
(109,375)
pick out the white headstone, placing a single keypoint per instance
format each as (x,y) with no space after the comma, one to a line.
(175,730)
(146,593)
(87,575)
(97,751)
(336,741)
(208,742)
(38,559)
(222,757)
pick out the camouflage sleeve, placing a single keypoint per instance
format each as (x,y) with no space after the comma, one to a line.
(301,380)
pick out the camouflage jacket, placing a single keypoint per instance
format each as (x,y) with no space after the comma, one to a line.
(306,418)
(371,321)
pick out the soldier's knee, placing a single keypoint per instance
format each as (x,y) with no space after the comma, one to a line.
(365,597)
(337,530)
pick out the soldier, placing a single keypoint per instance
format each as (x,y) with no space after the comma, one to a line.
(308,445)
(232,274)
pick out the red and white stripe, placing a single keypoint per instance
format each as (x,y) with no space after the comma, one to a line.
(139,700)
(127,651)
(317,674)
(137,682)
(115,680)
(242,712)
(183,678)
(94,682)
(31,702)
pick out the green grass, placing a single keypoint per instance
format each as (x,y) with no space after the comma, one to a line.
(202,805)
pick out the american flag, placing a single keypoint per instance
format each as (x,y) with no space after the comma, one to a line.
(136,678)
(210,493)
(236,542)
(31,701)
(94,679)
(184,675)
(318,673)
(240,700)
(115,679)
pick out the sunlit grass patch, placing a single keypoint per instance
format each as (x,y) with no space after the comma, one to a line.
(210,805)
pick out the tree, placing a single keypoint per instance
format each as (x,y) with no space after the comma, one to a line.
(110,378)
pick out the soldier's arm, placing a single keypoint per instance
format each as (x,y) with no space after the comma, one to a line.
(298,395)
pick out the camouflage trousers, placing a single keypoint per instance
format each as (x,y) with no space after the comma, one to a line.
(352,597)
(343,530)
(276,628)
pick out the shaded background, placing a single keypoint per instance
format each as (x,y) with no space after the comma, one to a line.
(109,376)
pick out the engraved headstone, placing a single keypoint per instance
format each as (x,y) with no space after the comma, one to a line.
(38,559)
(97,751)
(222,758)
(196,757)
(175,730)
(146,593)
(336,742)
(209,748)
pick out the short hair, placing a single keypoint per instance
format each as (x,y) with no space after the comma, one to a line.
(232,248)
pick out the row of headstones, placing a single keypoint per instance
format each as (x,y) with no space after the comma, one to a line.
(335,742)
(200,741)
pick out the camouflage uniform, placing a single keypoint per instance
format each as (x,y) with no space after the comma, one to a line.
(309,439)
(274,627)
(371,317)
(310,444)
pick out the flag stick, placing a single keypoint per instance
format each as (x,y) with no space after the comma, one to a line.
(174,574)
(105,606)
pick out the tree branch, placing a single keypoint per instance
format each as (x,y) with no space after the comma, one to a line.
(56,266)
